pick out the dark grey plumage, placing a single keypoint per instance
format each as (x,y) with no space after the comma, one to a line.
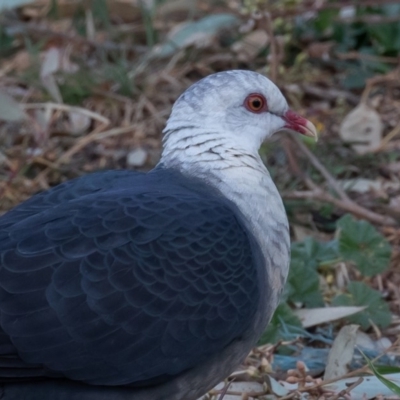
(121,285)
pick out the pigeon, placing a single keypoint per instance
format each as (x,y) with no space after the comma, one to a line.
(125,285)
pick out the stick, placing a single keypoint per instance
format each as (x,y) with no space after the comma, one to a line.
(324,172)
(347,205)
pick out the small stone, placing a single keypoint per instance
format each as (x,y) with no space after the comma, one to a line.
(137,157)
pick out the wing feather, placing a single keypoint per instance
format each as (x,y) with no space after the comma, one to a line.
(109,283)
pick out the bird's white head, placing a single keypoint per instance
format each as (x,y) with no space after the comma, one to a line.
(234,110)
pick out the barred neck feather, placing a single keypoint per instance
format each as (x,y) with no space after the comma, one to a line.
(242,178)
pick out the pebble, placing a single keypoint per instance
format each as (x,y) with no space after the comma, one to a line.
(137,157)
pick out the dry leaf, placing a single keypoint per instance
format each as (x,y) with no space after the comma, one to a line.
(251,45)
(341,352)
(320,50)
(10,110)
(363,127)
(177,10)
(315,316)
(50,65)
(370,387)
(78,123)
(240,387)
(199,33)
(55,59)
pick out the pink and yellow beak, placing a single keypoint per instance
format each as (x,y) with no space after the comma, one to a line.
(296,123)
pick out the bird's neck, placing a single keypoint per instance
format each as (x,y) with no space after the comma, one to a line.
(244,180)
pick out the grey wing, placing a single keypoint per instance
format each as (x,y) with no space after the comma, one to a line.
(125,287)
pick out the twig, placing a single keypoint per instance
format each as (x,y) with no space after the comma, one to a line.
(291,395)
(343,392)
(224,390)
(344,202)
(67,108)
(355,55)
(330,93)
(347,205)
(273,57)
(95,135)
(317,164)
(394,132)
(392,76)
(356,373)
(396,292)
(235,393)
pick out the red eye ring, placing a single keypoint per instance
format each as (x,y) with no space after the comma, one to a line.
(256,103)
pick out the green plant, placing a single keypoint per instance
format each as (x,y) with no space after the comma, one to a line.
(284,325)
(359,294)
(362,244)
(380,371)
(360,33)
(355,242)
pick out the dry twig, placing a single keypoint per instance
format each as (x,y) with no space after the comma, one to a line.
(323,171)
(345,205)
(344,202)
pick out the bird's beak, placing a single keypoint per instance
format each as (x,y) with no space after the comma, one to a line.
(296,123)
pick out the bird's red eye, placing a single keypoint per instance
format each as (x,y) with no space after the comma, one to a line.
(256,103)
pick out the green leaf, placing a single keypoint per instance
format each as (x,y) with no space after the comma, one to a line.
(356,78)
(387,369)
(6,43)
(325,20)
(389,384)
(303,284)
(303,281)
(386,37)
(101,13)
(362,244)
(75,88)
(284,325)
(360,294)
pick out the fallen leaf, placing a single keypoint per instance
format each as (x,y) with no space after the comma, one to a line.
(251,45)
(362,127)
(370,388)
(78,122)
(55,59)
(365,342)
(240,387)
(341,352)
(315,316)
(10,110)
(50,65)
(177,10)
(275,387)
(199,33)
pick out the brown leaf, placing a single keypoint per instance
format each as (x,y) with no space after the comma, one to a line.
(363,127)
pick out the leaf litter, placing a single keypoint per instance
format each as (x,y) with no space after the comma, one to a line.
(88,85)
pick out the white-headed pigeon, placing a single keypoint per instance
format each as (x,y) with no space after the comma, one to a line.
(151,286)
